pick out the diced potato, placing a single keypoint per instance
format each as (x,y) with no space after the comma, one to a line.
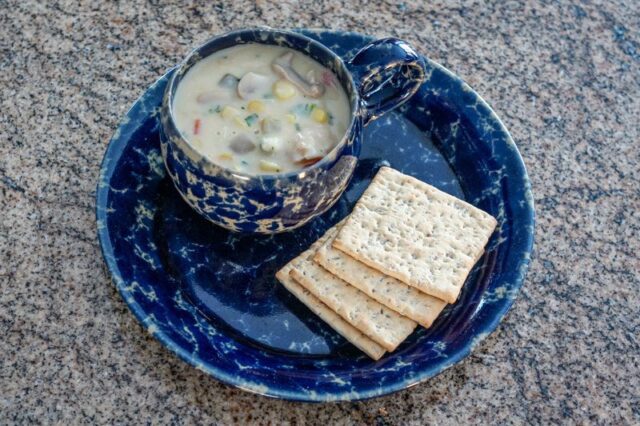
(255,106)
(269,144)
(251,84)
(283,90)
(319,115)
(270,125)
(229,112)
(239,121)
(291,118)
(268,166)
(225,156)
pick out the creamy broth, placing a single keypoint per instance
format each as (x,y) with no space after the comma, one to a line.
(261,109)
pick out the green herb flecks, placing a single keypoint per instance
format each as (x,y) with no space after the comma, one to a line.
(251,119)
(304,109)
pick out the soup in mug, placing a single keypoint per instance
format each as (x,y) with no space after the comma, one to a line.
(261,109)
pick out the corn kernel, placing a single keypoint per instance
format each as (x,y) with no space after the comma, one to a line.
(240,122)
(255,106)
(229,112)
(268,166)
(290,118)
(225,156)
(282,89)
(319,115)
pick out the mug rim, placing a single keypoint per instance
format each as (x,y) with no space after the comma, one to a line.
(186,64)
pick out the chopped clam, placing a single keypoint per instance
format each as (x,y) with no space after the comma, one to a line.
(228,81)
(252,84)
(311,77)
(309,143)
(242,144)
(301,150)
(284,68)
(268,166)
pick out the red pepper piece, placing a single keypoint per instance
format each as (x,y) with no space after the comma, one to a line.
(196,126)
(306,162)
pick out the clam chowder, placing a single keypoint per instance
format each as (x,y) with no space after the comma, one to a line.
(261,109)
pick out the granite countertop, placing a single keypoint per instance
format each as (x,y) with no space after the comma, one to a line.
(563,76)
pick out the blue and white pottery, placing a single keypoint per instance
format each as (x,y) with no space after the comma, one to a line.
(209,295)
(382,76)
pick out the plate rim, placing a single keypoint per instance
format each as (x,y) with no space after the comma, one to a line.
(117,144)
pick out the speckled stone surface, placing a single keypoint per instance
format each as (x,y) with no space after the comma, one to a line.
(563,77)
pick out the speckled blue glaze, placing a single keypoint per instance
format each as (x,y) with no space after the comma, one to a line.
(379,78)
(209,294)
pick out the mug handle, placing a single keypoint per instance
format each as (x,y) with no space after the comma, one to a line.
(381,91)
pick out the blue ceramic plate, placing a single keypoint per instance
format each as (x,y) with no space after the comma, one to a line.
(211,297)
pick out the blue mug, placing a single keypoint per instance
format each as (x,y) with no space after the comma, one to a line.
(380,77)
